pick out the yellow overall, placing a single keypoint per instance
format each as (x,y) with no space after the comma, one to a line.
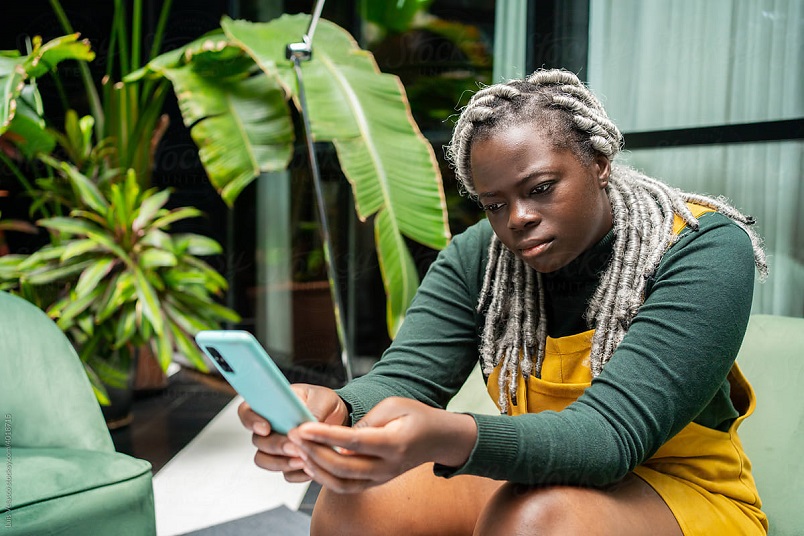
(702,474)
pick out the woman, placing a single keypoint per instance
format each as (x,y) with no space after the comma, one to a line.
(606,309)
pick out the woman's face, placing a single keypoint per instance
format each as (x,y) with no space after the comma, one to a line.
(543,203)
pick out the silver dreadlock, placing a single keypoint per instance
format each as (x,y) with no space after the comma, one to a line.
(643,209)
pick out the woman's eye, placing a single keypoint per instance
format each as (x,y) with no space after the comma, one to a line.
(492,207)
(542,188)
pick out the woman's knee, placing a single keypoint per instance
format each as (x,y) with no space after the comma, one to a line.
(517,509)
(413,504)
(377,511)
(338,514)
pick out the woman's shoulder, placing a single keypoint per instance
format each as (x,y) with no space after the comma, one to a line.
(716,231)
(465,257)
(479,232)
(718,241)
(470,245)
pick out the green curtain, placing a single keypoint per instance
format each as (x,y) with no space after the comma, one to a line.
(663,65)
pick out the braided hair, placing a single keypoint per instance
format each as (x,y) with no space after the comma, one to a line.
(643,210)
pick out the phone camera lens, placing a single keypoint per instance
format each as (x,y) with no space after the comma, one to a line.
(216,355)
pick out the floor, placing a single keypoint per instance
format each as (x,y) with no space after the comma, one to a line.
(202,458)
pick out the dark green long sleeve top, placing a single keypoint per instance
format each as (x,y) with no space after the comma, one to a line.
(670,368)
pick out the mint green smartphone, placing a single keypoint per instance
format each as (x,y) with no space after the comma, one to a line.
(250,370)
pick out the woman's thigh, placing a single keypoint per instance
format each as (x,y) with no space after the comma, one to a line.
(414,503)
(629,507)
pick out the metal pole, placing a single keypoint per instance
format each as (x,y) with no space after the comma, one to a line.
(298,52)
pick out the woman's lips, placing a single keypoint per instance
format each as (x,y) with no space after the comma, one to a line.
(535,248)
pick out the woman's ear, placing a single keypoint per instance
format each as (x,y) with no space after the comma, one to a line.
(603,170)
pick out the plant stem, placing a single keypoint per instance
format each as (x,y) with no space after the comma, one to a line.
(141,141)
(65,103)
(160,29)
(86,76)
(136,36)
(110,54)
(120,27)
(57,204)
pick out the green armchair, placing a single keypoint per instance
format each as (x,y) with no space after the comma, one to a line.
(61,474)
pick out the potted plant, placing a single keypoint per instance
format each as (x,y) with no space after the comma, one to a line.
(115,280)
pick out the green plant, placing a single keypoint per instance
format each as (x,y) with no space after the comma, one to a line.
(128,117)
(235,90)
(23,129)
(112,276)
(114,279)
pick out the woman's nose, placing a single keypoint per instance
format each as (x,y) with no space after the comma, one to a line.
(523,215)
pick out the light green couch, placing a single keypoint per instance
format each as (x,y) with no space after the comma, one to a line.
(772,358)
(60,472)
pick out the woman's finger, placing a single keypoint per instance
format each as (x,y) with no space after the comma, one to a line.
(367,441)
(291,468)
(346,466)
(276,444)
(252,421)
(324,403)
(389,410)
(278,463)
(297,477)
(335,483)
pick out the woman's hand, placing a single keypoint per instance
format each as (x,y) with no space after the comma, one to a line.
(274,451)
(397,435)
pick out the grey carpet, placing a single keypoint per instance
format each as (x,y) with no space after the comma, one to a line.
(280,521)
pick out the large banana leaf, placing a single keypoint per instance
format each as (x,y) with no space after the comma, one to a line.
(240,122)
(365,113)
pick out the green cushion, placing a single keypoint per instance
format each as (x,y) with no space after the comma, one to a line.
(78,492)
(40,475)
(772,358)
